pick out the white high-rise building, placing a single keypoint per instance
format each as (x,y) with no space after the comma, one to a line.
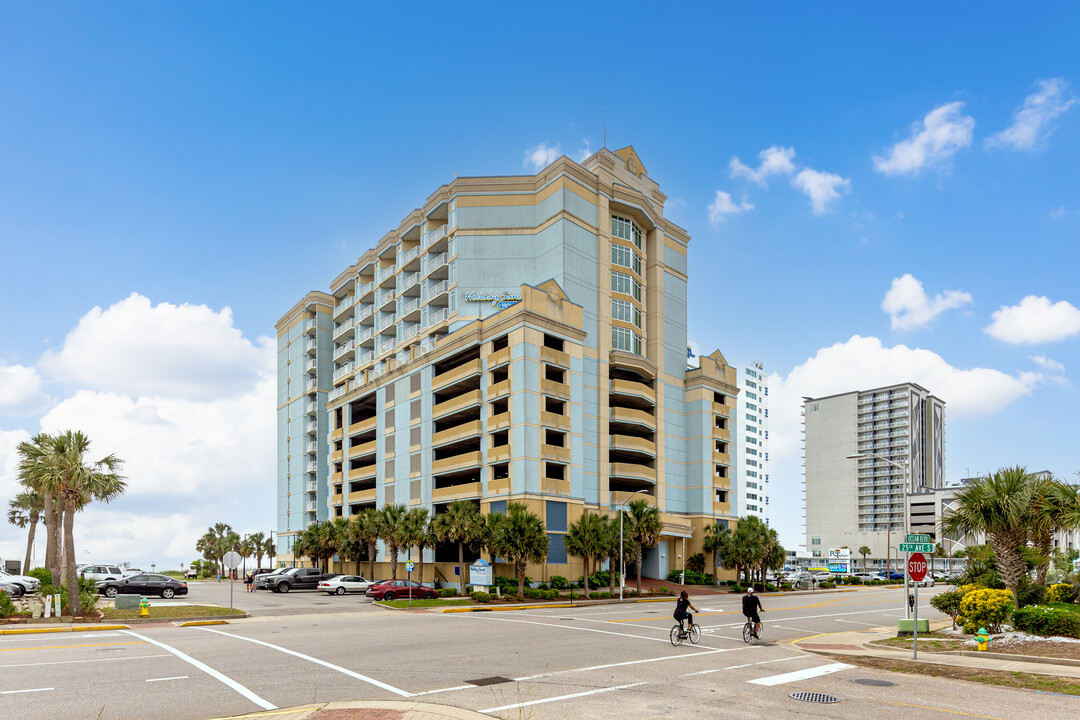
(752,491)
(899,431)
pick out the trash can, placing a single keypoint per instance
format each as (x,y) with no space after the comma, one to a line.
(804,584)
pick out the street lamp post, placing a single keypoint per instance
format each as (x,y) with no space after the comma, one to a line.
(905,467)
(622,555)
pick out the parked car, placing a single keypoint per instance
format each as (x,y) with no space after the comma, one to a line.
(13,590)
(927,582)
(865,576)
(145,584)
(297,579)
(261,580)
(101,572)
(345,584)
(191,573)
(24,583)
(894,575)
(128,572)
(399,589)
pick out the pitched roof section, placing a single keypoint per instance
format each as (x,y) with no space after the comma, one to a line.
(633,162)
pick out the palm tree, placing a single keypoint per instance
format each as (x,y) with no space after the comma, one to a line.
(585,539)
(996,505)
(1056,507)
(613,552)
(258,547)
(774,556)
(269,549)
(461,524)
(716,541)
(366,528)
(521,539)
(32,478)
(25,510)
(418,534)
(644,528)
(393,533)
(58,464)
(864,551)
(744,549)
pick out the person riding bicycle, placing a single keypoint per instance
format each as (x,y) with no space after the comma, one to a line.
(680,610)
(751,604)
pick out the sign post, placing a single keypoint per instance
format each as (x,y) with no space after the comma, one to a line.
(916,568)
(409,569)
(231,561)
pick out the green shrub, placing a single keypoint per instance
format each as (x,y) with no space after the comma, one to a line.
(1030,593)
(42,575)
(630,593)
(785,585)
(542,586)
(948,603)
(1046,621)
(1060,593)
(481,597)
(736,588)
(662,591)
(447,592)
(599,595)
(696,562)
(559,582)
(7,607)
(827,585)
(852,580)
(509,585)
(985,607)
(770,588)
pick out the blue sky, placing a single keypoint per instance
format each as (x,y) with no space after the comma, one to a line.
(190,171)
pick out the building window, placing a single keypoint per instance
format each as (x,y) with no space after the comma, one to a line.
(751,395)
(625,229)
(623,283)
(751,406)
(625,340)
(751,384)
(815,541)
(556,550)
(556,516)
(751,373)
(625,257)
(625,311)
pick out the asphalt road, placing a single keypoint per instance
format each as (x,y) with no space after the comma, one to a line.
(608,661)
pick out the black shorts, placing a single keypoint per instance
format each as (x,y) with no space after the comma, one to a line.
(753,618)
(685,616)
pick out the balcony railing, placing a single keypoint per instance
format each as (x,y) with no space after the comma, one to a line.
(311,345)
(312,466)
(412,305)
(311,364)
(343,371)
(436,289)
(434,263)
(364,357)
(342,349)
(312,506)
(409,279)
(432,236)
(437,317)
(312,426)
(365,289)
(311,386)
(365,335)
(383,274)
(406,257)
(364,312)
(410,331)
(338,391)
(312,446)
(311,486)
(345,304)
(341,328)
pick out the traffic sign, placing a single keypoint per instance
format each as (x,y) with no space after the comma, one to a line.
(232,559)
(409,567)
(917,547)
(913,538)
(916,567)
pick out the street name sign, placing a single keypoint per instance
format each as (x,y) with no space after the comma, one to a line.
(913,538)
(917,547)
(916,567)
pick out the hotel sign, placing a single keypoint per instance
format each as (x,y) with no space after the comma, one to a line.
(498,299)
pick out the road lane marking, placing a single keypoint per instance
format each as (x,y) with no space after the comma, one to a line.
(71,662)
(177,677)
(209,671)
(619,664)
(560,697)
(317,661)
(65,647)
(770,618)
(16,692)
(442,690)
(801,674)
(856,622)
(786,627)
(583,629)
(766,662)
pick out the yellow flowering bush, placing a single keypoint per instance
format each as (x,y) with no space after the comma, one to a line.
(1060,593)
(986,608)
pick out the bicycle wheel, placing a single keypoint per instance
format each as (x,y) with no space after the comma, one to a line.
(747,633)
(695,633)
(676,636)
(761,632)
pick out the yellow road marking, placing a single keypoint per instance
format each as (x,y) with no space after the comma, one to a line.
(954,712)
(64,647)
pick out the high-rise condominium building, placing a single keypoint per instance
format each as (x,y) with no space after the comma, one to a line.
(864,501)
(752,490)
(520,339)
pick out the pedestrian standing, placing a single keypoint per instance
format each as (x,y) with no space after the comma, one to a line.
(248,579)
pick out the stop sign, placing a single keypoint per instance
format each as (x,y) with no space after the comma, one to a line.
(916,567)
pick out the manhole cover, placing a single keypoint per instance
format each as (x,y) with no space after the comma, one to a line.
(874,683)
(497,680)
(814,697)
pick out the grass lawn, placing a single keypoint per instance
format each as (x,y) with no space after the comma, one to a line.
(170,611)
(437,602)
(934,642)
(1044,683)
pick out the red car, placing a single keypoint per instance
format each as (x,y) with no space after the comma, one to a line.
(394,589)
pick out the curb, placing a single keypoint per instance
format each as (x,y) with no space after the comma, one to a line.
(196,623)
(192,618)
(583,603)
(66,628)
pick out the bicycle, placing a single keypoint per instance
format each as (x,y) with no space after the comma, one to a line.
(748,633)
(678,634)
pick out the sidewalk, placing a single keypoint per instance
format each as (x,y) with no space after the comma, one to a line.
(369,710)
(857,643)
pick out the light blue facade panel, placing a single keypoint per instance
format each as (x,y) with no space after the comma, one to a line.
(674,260)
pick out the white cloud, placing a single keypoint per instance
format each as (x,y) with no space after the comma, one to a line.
(1034,320)
(584,153)
(137,348)
(862,363)
(20,390)
(541,156)
(1047,364)
(910,308)
(12,539)
(775,160)
(1031,121)
(941,133)
(821,187)
(723,206)
(1058,213)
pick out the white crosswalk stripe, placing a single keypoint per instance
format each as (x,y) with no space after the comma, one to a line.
(801,674)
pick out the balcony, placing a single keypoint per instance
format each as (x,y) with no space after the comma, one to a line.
(435,262)
(312,467)
(311,506)
(722,458)
(458,432)
(364,312)
(555,357)
(312,426)
(551,420)
(457,462)
(311,366)
(408,332)
(338,392)
(311,447)
(433,236)
(619,498)
(344,371)
(365,289)
(455,492)
(362,426)
(632,470)
(497,390)
(434,290)
(381,275)
(342,328)
(344,350)
(554,453)
(455,404)
(456,374)
(408,256)
(362,496)
(343,305)
(311,407)
(365,357)
(365,335)
(408,306)
(632,443)
(426,345)
(500,421)
(499,486)
(311,346)
(721,409)
(409,280)
(630,416)
(335,500)
(364,472)
(553,486)
(311,486)
(367,448)
(555,389)
(384,299)
(634,389)
(499,454)
(437,317)
(497,358)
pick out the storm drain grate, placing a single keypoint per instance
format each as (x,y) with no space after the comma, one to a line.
(496,680)
(815,697)
(874,683)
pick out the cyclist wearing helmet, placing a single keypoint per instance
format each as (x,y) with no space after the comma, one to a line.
(751,604)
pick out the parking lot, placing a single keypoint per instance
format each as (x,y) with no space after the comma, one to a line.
(594,661)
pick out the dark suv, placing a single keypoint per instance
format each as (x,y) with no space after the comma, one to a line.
(298,579)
